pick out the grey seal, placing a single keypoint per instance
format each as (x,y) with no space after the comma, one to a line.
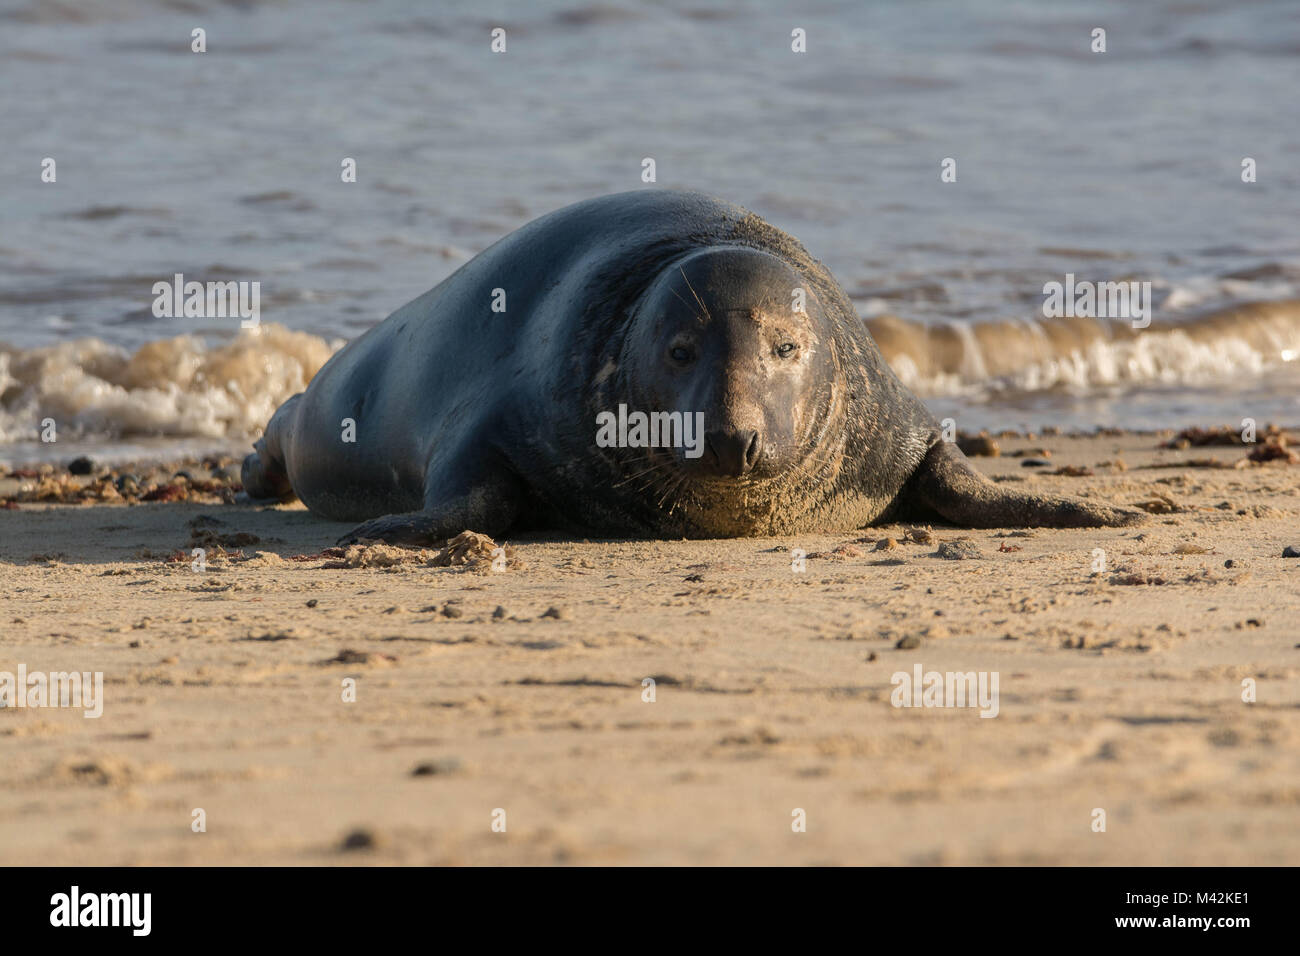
(489,403)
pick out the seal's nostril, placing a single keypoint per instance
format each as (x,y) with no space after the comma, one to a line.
(732,453)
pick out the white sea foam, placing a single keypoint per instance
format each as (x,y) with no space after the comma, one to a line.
(1213,350)
(178,387)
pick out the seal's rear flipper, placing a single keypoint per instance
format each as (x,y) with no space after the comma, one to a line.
(946,484)
(264,478)
(263,474)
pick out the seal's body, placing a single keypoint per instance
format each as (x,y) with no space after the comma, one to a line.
(486,403)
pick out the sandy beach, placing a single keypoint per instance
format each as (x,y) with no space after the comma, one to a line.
(479,691)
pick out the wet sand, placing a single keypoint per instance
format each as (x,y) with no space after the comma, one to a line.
(522,690)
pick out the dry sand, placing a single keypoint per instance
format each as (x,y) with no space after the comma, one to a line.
(773,690)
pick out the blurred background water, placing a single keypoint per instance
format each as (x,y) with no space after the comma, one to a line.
(226,166)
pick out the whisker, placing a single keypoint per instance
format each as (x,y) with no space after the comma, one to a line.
(694,293)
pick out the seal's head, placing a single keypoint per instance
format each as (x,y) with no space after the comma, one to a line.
(736,339)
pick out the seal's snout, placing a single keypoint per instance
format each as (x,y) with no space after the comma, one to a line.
(732,453)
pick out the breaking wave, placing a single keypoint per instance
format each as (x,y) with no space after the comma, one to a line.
(177,387)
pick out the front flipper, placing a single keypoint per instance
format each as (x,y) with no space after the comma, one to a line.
(946,484)
(489,507)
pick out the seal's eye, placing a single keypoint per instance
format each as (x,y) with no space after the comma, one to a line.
(680,354)
(786,349)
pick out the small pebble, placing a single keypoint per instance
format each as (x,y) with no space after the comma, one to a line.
(979,446)
(434,768)
(81,466)
(360,840)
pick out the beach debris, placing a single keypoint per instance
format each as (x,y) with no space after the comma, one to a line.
(1160,504)
(1221,435)
(441,767)
(271,637)
(1136,578)
(360,839)
(370,556)
(1274,449)
(106,771)
(475,552)
(1074,471)
(842,553)
(918,535)
(206,538)
(466,548)
(885,544)
(755,737)
(350,656)
(169,492)
(1291,551)
(978,446)
(75,484)
(959,549)
(1035,463)
(1006,548)
(1273,444)
(319,555)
